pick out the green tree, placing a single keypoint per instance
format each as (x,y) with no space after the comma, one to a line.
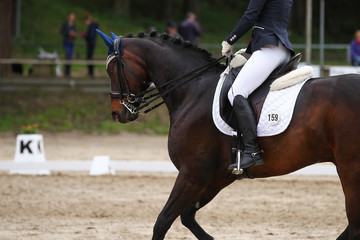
(6,7)
(191,6)
(121,7)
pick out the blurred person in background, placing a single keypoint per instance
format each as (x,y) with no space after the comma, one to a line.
(355,49)
(171,29)
(190,29)
(90,38)
(69,32)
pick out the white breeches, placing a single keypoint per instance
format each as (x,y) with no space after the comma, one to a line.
(257,69)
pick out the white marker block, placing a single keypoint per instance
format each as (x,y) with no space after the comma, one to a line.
(101,166)
(29,149)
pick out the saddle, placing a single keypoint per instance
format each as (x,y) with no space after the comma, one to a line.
(257,98)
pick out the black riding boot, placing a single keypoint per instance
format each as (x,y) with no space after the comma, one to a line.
(247,126)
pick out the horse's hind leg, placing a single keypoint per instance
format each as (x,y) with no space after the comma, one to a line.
(188,217)
(350,180)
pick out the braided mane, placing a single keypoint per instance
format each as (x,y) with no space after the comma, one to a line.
(173,40)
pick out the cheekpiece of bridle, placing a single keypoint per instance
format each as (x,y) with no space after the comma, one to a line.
(123,93)
(132,101)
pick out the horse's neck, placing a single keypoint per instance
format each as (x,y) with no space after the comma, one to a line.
(185,89)
(166,62)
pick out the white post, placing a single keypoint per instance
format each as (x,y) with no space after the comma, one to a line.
(322,35)
(308,31)
(101,166)
(29,149)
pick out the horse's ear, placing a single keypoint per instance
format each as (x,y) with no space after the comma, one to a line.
(113,35)
(107,40)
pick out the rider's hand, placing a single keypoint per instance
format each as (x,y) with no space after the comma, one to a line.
(226,48)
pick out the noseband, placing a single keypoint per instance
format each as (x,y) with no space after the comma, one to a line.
(130,100)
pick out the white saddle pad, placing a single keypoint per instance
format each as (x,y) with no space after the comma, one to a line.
(278,110)
(275,116)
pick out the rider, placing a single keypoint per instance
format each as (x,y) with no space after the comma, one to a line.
(270,47)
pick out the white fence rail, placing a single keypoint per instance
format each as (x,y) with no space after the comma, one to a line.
(139,166)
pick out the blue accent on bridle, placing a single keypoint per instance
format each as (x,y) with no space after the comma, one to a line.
(111,43)
(108,41)
(113,36)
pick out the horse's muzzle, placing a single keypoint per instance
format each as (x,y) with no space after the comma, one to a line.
(124,117)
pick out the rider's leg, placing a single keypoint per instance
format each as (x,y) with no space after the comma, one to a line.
(254,73)
(256,70)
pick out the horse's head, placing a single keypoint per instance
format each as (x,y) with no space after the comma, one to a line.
(128,78)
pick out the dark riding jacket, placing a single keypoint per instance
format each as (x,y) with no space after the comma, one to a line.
(65,30)
(269,20)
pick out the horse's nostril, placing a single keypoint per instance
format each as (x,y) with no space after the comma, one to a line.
(115,116)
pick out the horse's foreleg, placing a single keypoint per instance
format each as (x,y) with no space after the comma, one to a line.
(188,217)
(344,235)
(186,190)
(189,221)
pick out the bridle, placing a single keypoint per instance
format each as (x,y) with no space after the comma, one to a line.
(123,93)
(132,101)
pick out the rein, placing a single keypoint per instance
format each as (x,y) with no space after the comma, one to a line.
(139,99)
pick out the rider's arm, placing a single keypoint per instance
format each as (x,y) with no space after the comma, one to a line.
(247,21)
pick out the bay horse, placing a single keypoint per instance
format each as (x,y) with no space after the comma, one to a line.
(324,127)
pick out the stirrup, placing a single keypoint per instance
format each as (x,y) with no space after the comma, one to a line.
(238,170)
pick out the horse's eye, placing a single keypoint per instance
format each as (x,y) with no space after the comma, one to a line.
(110,73)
